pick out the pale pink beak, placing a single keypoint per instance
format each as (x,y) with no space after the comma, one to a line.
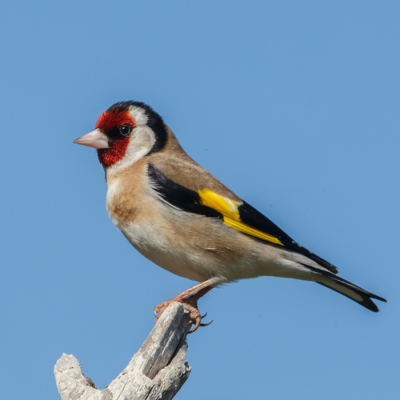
(96,139)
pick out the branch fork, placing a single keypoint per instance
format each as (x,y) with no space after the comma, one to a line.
(157,371)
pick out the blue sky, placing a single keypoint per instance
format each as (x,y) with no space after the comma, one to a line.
(293,105)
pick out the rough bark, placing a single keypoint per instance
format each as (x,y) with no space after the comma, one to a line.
(157,371)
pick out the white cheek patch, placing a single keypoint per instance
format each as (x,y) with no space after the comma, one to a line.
(139,115)
(141,142)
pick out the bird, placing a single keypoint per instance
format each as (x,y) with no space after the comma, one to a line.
(179,216)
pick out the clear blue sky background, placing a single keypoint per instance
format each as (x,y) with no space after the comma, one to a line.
(293,105)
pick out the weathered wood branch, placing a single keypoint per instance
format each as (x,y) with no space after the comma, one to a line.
(157,371)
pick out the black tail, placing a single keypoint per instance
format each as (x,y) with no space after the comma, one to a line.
(347,289)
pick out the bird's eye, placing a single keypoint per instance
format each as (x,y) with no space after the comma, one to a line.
(125,130)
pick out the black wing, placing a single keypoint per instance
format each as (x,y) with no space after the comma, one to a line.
(250,216)
(245,218)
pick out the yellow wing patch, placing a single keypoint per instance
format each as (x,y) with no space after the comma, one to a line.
(230,211)
(223,205)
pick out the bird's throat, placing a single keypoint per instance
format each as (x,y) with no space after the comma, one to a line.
(115,153)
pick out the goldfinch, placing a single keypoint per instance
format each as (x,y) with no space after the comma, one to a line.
(179,216)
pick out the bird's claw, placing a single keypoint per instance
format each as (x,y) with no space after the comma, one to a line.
(197,322)
(158,310)
(192,308)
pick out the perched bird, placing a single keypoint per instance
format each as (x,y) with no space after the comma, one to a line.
(183,219)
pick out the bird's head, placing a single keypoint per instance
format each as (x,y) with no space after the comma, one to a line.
(126,132)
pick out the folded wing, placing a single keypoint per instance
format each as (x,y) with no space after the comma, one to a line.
(237,214)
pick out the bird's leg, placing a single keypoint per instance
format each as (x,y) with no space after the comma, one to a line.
(189,299)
